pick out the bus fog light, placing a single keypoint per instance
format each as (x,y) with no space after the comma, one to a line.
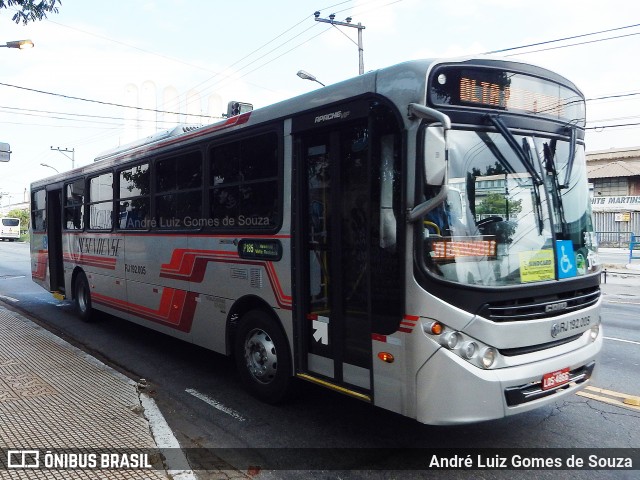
(451,340)
(468,350)
(594,332)
(488,357)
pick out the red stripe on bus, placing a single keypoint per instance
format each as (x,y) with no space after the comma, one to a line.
(191,265)
(91,260)
(176,310)
(183,260)
(379,338)
(405,330)
(412,318)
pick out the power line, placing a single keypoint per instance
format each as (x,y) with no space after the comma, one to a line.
(34,113)
(623,95)
(283,54)
(293,27)
(235,77)
(602,127)
(561,39)
(70,97)
(573,44)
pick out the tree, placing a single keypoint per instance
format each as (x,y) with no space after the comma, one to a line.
(31,10)
(23,215)
(496,204)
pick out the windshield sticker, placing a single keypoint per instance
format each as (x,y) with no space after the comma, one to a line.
(537,266)
(566,259)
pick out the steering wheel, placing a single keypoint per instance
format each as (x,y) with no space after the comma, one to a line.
(486,221)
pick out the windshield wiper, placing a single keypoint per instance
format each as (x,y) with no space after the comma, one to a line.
(524,154)
(513,143)
(572,156)
(549,152)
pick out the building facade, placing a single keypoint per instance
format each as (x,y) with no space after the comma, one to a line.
(615,177)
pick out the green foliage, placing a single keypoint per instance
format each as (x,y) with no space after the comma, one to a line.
(23,215)
(31,10)
(496,204)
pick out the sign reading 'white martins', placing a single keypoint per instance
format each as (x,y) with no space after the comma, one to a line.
(616,204)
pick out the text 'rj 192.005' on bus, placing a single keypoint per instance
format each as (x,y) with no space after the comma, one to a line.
(418,237)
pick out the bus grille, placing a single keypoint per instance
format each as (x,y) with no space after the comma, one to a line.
(542,307)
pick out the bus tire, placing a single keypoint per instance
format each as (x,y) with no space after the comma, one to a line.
(82,298)
(262,357)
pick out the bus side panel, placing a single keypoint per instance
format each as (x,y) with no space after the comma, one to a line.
(153,299)
(101,257)
(220,277)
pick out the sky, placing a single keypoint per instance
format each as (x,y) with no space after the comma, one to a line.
(194,56)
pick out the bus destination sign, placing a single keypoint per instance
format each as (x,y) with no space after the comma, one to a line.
(506,91)
(260,249)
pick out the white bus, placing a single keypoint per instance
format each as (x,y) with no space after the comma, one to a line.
(9,229)
(316,238)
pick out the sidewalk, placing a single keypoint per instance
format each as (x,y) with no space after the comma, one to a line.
(621,281)
(56,399)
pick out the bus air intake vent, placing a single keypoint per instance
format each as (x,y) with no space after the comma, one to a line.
(547,306)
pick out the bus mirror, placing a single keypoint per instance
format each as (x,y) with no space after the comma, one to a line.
(435,155)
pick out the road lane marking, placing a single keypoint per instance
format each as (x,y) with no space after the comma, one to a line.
(621,302)
(622,340)
(215,404)
(618,399)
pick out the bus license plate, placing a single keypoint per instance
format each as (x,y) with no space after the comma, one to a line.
(555,379)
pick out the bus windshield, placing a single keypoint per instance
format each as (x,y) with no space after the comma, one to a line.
(510,218)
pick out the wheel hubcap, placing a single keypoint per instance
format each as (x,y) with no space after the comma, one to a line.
(260,355)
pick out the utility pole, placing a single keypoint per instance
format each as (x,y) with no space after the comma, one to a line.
(347,23)
(64,151)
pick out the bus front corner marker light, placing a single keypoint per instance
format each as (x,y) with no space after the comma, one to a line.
(386,357)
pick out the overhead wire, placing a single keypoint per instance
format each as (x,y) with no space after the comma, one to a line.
(308,40)
(260,48)
(561,39)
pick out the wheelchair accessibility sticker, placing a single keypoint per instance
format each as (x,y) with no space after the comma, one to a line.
(565,259)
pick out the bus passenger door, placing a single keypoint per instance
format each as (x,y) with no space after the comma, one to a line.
(337,217)
(54,240)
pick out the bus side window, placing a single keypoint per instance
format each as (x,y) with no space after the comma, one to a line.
(74,205)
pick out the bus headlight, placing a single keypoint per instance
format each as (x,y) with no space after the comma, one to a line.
(469,350)
(488,357)
(451,340)
(464,346)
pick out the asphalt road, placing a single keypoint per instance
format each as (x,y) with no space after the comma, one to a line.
(201,397)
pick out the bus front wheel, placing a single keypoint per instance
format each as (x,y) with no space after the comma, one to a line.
(262,357)
(82,298)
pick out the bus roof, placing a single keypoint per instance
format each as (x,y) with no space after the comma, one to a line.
(403,83)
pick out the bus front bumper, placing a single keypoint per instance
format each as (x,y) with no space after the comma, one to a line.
(467,394)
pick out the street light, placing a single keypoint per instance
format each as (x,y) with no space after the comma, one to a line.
(307,76)
(49,166)
(21,44)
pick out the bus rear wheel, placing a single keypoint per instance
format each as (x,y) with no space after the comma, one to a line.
(82,298)
(262,357)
